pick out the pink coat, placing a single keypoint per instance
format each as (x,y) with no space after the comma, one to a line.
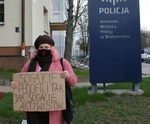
(56,117)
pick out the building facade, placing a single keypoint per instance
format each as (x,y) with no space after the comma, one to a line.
(21,22)
(59,15)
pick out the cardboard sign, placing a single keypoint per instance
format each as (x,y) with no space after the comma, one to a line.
(39,91)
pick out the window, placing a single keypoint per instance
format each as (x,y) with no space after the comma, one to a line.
(45,19)
(1,11)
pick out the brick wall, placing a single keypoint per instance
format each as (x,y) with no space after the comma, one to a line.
(15,63)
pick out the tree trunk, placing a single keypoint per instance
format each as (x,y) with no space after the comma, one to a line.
(69,33)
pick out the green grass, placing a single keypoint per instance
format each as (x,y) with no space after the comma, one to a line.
(106,108)
(6,74)
(81,72)
(7,115)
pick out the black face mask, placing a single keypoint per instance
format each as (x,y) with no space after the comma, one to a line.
(44,53)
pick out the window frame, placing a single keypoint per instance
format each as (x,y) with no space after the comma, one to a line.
(2,22)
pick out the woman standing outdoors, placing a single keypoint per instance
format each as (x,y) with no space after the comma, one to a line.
(46,58)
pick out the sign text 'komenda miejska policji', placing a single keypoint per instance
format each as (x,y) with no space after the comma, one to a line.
(115,43)
(39,91)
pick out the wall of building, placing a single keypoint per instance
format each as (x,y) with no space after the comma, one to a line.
(59,38)
(12,20)
(40,18)
(11,39)
(37,19)
(15,63)
(28,22)
(59,16)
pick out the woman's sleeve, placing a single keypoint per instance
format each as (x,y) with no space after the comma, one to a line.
(72,80)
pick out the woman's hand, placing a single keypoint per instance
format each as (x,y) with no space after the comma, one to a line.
(65,74)
(13,84)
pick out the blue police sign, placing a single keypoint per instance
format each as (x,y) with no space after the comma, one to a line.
(115,45)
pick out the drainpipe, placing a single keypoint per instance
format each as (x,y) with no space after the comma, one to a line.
(23,29)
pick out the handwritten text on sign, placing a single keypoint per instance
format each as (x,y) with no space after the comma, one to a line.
(39,91)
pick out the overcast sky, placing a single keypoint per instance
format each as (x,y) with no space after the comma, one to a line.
(145,14)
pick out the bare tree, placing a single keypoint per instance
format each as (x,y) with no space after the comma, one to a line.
(82,31)
(72,21)
(145,39)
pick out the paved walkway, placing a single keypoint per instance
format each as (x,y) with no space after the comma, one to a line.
(6,89)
